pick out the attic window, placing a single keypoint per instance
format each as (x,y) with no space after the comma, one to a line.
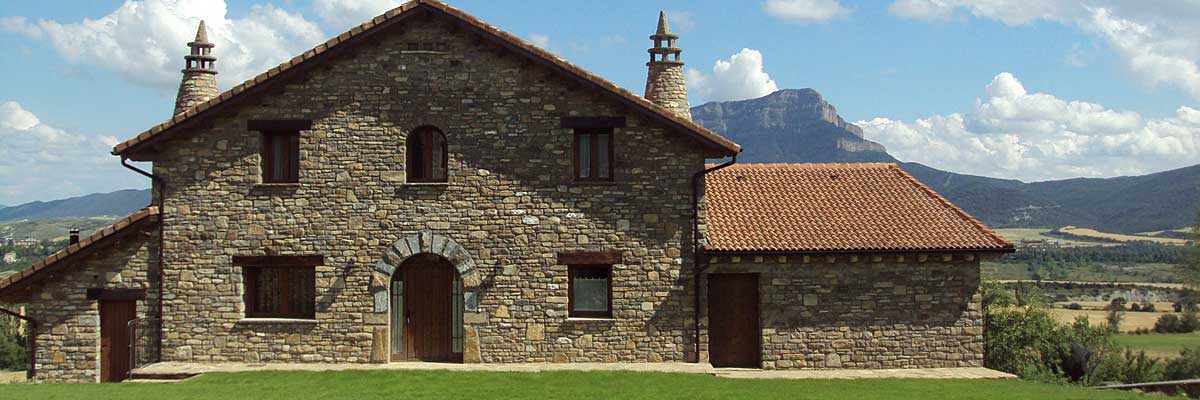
(427,47)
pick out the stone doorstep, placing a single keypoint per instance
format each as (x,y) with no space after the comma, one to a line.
(175,371)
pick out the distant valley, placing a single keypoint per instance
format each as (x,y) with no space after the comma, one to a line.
(798,125)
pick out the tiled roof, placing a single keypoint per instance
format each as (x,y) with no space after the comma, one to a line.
(9,285)
(717,145)
(835,208)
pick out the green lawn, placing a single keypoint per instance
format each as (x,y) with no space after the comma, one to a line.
(1160,344)
(544,385)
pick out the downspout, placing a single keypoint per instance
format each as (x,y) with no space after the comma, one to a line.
(33,326)
(697,178)
(161,188)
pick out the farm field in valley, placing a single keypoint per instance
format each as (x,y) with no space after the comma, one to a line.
(1016,235)
(1131,322)
(1088,232)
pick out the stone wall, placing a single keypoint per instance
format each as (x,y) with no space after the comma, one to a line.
(68,335)
(510,203)
(195,88)
(851,311)
(666,87)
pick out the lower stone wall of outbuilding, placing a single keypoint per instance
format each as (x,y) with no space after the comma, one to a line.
(848,311)
(68,332)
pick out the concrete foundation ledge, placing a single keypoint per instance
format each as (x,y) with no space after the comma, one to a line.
(182,369)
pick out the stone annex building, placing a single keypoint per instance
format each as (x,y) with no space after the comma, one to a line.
(429,187)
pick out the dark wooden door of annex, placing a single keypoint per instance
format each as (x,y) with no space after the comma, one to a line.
(114,338)
(733,333)
(427,327)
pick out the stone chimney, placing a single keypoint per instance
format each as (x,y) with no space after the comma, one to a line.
(74,232)
(665,85)
(199,74)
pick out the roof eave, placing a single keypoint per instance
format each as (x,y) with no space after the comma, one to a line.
(996,250)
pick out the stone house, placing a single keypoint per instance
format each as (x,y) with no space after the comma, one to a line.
(427,187)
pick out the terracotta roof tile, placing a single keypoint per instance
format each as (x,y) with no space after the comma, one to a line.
(834,207)
(7,285)
(720,145)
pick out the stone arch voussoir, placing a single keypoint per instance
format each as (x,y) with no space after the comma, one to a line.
(417,243)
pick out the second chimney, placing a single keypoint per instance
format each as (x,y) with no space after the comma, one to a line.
(74,235)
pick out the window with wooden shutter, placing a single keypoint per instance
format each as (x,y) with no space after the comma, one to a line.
(281,157)
(279,287)
(425,155)
(593,154)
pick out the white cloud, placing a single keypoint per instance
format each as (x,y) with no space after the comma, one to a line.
(738,78)
(19,25)
(680,20)
(341,15)
(1037,136)
(144,40)
(540,40)
(67,164)
(805,10)
(1156,43)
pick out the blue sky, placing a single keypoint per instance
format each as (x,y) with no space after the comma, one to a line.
(1025,89)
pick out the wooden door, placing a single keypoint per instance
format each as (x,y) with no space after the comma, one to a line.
(114,338)
(733,334)
(427,329)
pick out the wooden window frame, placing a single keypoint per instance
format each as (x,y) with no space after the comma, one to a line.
(425,159)
(593,141)
(572,271)
(286,273)
(291,162)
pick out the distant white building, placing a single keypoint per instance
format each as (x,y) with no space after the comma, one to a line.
(9,258)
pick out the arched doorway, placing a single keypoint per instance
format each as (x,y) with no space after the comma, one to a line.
(427,308)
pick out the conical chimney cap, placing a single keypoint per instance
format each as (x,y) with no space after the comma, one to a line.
(663,29)
(201,33)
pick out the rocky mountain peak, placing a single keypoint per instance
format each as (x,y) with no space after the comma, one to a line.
(789,123)
(781,109)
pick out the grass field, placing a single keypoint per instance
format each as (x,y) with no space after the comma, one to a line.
(547,385)
(1163,345)
(1087,232)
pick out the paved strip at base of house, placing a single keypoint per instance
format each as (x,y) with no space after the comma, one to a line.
(177,370)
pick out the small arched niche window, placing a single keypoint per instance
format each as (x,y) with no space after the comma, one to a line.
(426,155)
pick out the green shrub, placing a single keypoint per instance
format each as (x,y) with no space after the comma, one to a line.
(1138,367)
(1168,323)
(1189,322)
(995,295)
(1028,342)
(1186,366)
(12,344)
(1114,320)
(1020,341)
